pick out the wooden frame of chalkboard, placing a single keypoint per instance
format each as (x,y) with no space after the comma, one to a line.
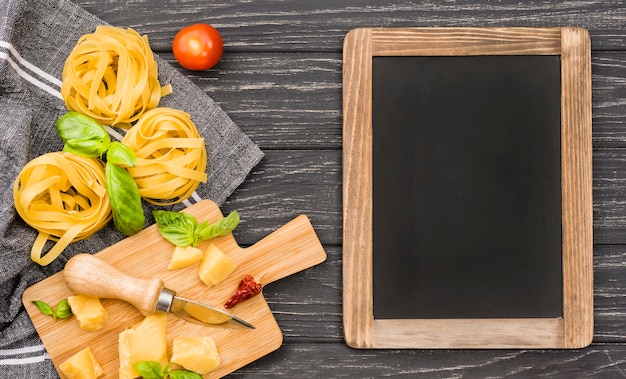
(571,329)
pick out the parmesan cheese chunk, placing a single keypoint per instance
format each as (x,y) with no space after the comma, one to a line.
(146,341)
(82,365)
(184,256)
(197,354)
(88,311)
(215,266)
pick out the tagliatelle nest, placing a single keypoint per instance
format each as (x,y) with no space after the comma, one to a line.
(171,156)
(63,196)
(112,76)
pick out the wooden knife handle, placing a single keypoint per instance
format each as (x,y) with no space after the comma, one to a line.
(89,275)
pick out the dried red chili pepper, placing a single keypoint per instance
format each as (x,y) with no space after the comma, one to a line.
(247,288)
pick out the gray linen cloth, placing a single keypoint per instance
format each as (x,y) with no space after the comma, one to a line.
(35,38)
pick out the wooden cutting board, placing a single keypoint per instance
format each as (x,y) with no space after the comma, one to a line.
(292,248)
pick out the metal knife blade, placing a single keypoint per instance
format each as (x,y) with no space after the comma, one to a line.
(194,311)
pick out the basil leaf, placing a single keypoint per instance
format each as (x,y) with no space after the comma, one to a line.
(86,148)
(219,228)
(82,135)
(125,200)
(44,308)
(176,227)
(63,309)
(121,155)
(182,229)
(74,125)
(184,374)
(149,369)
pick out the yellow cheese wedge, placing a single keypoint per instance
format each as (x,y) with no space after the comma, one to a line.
(184,256)
(197,354)
(82,365)
(88,311)
(146,341)
(215,266)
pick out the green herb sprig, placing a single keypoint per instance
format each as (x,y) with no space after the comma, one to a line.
(182,229)
(62,310)
(85,136)
(154,370)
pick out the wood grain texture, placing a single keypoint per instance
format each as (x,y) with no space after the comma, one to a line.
(339,361)
(290,249)
(357,189)
(465,41)
(293,25)
(469,333)
(296,96)
(280,80)
(576,179)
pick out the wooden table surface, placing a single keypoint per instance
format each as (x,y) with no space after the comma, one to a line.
(280,81)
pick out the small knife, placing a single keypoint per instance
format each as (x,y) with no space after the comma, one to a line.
(89,275)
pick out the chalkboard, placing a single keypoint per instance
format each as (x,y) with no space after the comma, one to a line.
(467,188)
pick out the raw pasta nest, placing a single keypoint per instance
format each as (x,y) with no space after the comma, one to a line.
(112,76)
(63,196)
(171,156)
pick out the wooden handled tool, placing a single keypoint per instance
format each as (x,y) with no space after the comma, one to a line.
(88,275)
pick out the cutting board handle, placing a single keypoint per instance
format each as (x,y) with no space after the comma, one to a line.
(292,248)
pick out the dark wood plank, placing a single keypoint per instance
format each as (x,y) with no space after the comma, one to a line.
(320,25)
(286,184)
(306,360)
(609,293)
(609,196)
(609,99)
(281,101)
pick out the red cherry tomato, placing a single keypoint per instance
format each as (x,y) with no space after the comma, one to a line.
(198,47)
